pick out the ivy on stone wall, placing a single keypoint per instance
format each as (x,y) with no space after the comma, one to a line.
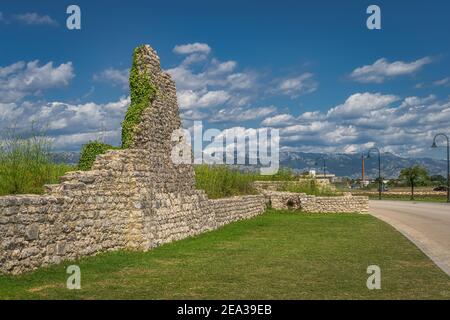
(142,92)
(90,151)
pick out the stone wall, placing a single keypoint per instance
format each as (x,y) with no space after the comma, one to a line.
(307,203)
(237,208)
(42,230)
(133,198)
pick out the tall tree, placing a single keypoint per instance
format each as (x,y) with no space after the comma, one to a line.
(413,176)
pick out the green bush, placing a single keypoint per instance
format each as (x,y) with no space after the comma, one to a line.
(142,93)
(26,164)
(90,151)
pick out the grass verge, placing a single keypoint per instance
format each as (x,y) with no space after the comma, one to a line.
(278,255)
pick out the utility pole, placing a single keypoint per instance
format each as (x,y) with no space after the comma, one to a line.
(363,173)
(448,160)
(380,182)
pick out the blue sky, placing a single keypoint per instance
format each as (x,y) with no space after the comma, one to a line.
(310,68)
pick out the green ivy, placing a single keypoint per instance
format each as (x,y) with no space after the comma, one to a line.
(90,151)
(142,92)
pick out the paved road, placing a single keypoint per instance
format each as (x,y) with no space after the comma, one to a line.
(425,224)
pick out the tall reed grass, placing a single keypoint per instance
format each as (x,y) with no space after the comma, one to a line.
(26,164)
(220,181)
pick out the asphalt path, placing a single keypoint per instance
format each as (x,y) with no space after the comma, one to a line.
(426,224)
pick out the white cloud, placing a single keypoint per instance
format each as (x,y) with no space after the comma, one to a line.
(219,68)
(191,115)
(207,83)
(194,58)
(416,101)
(381,70)
(401,126)
(33,18)
(311,116)
(116,77)
(80,117)
(239,114)
(278,120)
(189,99)
(241,81)
(296,86)
(360,104)
(22,79)
(214,74)
(74,141)
(70,125)
(9,112)
(192,48)
(442,82)
(213,98)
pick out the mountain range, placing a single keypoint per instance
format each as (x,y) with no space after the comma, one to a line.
(342,165)
(349,165)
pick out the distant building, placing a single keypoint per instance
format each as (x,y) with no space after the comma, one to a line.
(328,176)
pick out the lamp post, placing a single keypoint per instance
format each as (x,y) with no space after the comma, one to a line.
(448,160)
(324,165)
(380,183)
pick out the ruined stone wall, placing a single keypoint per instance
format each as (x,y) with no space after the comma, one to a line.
(88,212)
(237,208)
(346,204)
(134,198)
(308,203)
(284,200)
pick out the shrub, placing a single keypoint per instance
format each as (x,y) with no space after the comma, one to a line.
(26,165)
(142,93)
(90,151)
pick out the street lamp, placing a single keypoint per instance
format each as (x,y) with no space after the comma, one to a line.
(448,160)
(324,165)
(380,183)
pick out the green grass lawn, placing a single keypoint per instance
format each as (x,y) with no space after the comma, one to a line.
(278,255)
